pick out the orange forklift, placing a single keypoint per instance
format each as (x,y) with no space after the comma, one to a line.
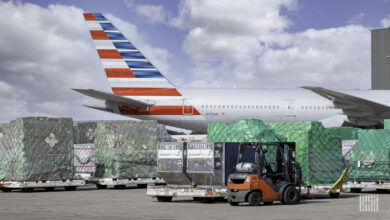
(262,181)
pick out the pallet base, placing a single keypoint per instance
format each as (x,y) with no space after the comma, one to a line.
(49,185)
(125,182)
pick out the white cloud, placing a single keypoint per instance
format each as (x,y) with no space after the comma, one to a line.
(153,13)
(386,22)
(356,19)
(47,51)
(247,43)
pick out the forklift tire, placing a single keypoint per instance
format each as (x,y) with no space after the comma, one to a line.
(268,203)
(233,203)
(164,198)
(254,198)
(334,195)
(290,195)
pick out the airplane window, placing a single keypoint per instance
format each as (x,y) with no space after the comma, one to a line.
(219,106)
(261,106)
(310,107)
(232,106)
(202,106)
(273,107)
(227,106)
(223,106)
(244,106)
(265,107)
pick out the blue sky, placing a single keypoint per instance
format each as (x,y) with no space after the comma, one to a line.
(47,49)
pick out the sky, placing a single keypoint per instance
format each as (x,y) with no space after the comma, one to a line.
(46,49)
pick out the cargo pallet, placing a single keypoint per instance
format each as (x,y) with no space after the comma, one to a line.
(199,193)
(358,186)
(48,185)
(103,183)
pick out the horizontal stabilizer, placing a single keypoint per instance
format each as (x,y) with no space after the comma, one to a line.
(114,98)
(99,108)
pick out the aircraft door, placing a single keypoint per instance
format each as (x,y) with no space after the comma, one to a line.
(291,111)
(187,108)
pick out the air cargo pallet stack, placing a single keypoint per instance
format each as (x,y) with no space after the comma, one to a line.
(37,152)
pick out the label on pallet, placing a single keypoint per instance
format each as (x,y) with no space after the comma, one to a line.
(200,153)
(170,154)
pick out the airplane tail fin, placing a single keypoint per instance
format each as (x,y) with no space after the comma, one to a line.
(129,72)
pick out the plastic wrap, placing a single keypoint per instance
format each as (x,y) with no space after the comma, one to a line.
(318,154)
(84,132)
(84,158)
(370,159)
(243,130)
(37,148)
(344,133)
(125,149)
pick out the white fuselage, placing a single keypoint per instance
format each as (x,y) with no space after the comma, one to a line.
(269,105)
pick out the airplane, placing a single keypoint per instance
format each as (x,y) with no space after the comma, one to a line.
(140,90)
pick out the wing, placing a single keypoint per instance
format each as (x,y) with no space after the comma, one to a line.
(114,98)
(354,107)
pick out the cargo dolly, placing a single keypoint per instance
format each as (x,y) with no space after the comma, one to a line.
(358,186)
(202,193)
(121,183)
(48,185)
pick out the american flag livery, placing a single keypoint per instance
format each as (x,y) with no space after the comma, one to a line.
(131,74)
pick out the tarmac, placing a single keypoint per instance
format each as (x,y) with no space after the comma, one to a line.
(132,203)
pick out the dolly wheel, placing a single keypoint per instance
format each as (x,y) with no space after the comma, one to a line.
(120,186)
(291,195)
(334,195)
(268,203)
(164,198)
(49,189)
(381,190)
(70,188)
(142,186)
(356,190)
(6,189)
(233,203)
(99,186)
(196,198)
(254,198)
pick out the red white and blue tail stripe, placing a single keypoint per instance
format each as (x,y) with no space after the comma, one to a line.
(131,74)
(127,69)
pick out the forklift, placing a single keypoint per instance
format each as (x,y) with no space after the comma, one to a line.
(265,181)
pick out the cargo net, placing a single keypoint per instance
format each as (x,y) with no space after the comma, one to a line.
(84,132)
(344,133)
(318,154)
(37,148)
(125,149)
(244,130)
(370,159)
